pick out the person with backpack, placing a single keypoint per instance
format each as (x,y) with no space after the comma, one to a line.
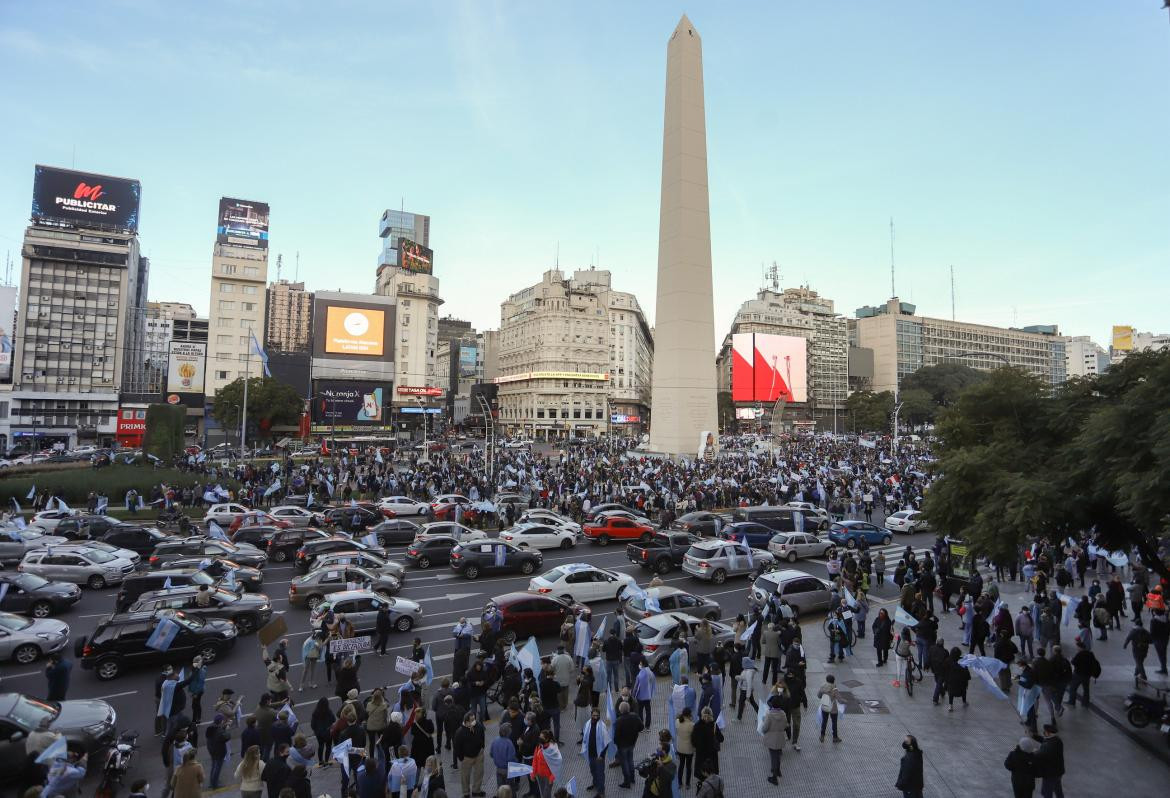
(1138,640)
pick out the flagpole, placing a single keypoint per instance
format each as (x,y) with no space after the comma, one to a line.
(247,375)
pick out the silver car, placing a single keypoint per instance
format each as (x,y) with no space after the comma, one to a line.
(15,543)
(714,560)
(25,640)
(360,607)
(793,546)
(803,593)
(297,516)
(362,559)
(670,599)
(657,632)
(90,567)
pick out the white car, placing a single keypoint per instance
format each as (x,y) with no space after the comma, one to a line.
(792,546)
(48,519)
(539,536)
(223,514)
(549,518)
(297,516)
(84,450)
(581,582)
(405,507)
(462,534)
(824,520)
(908,521)
(90,567)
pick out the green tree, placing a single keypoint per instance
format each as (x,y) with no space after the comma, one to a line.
(943,382)
(917,407)
(165,434)
(270,403)
(869,411)
(726,411)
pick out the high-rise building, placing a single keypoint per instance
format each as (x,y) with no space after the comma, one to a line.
(683,389)
(903,342)
(803,313)
(1084,358)
(288,323)
(160,322)
(79,337)
(401,224)
(239,275)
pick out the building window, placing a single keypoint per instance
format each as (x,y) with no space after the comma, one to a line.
(226,288)
(251,271)
(248,306)
(249,289)
(224,339)
(225,321)
(227,304)
(227,268)
(246,324)
(221,375)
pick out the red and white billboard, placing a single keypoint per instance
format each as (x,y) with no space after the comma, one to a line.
(766,367)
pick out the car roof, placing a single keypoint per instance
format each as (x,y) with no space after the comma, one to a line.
(665,590)
(345,595)
(713,543)
(784,574)
(163,572)
(508,599)
(852,523)
(169,592)
(665,620)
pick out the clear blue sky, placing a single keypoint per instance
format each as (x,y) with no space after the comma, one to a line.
(1025,143)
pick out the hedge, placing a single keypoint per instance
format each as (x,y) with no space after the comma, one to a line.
(74,485)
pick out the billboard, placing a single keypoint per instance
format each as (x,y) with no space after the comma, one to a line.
(414,257)
(746,413)
(131,425)
(186,367)
(467,358)
(349,403)
(242,222)
(490,393)
(766,367)
(1123,338)
(85,199)
(354,331)
(620,418)
(418,390)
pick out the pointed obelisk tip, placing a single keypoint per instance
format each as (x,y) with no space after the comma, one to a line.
(685,27)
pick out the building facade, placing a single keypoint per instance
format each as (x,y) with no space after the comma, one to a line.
(401,224)
(1084,358)
(160,328)
(239,275)
(288,322)
(803,313)
(1127,339)
(903,342)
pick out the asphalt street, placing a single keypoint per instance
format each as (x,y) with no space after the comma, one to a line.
(444,596)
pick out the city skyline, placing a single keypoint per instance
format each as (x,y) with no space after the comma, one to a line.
(1038,174)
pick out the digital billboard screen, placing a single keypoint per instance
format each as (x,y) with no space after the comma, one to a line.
(354,331)
(242,222)
(349,403)
(85,199)
(414,257)
(766,367)
(467,358)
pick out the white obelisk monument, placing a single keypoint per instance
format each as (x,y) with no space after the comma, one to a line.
(682,397)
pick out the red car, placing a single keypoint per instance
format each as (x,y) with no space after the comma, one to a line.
(609,528)
(528,614)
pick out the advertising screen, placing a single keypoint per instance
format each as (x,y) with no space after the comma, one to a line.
(242,222)
(766,367)
(354,331)
(467,357)
(349,403)
(1123,338)
(185,367)
(414,257)
(84,199)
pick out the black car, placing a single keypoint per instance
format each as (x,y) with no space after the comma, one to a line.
(256,535)
(485,557)
(119,642)
(344,517)
(701,523)
(206,547)
(252,579)
(87,726)
(312,549)
(128,536)
(432,551)
(248,611)
(395,530)
(32,595)
(283,544)
(135,584)
(84,527)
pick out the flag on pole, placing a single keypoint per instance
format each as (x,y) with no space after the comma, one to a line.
(747,633)
(16,505)
(215,531)
(273,488)
(600,633)
(259,352)
(429,664)
(518,769)
(529,656)
(904,618)
(340,754)
(163,635)
(32,493)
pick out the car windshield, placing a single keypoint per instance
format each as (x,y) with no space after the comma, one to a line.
(14,623)
(30,713)
(184,619)
(553,575)
(200,578)
(98,556)
(645,631)
(29,581)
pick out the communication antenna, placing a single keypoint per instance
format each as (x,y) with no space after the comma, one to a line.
(297,273)
(773,276)
(558,257)
(952,292)
(278,267)
(893,293)
(8,268)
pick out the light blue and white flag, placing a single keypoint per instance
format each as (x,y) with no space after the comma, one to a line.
(103,504)
(32,493)
(58,749)
(163,635)
(904,618)
(167,584)
(518,769)
(501,555)
(610,712)
(529,656)
(3,591)
(273,488)
(429,664)
(581,638)
(215,531)
(571,787)
(747,633)
(259,352)
(230,579)
(1070,606)
(1026,699)
(371,540)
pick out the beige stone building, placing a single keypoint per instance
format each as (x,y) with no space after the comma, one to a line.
(288,324)
(239,274)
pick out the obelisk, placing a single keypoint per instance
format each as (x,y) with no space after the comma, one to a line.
(683,389)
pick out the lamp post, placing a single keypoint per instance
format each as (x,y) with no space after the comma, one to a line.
(426,444)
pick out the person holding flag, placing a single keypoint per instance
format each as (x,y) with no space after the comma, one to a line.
(546,765)
(596,742)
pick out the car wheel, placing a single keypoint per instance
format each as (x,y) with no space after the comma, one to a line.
(96,582)
(424,562)
(209,653)
(471,572)
(107,669)
(662,667)
(851,543)
(886,540)
(41,609)
(719,577)
(603,540)
(646,537)
(712,616)
(280,555)
(26,654)
(663,566)
(245,624)
(1138,717)
(824,527)
(566,543)
(312,602)
(527,567)
(791,556)
(404,624)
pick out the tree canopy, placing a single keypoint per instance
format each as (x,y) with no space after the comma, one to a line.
(869,411)
(1018,461)
(270,403)
(943,382)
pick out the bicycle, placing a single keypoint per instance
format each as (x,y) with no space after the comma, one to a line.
(913,673)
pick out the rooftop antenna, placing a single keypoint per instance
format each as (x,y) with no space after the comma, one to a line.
(558,258)
(278,267)
(893,293)
(8,268)
(297,273)
(952,292)
(773,276)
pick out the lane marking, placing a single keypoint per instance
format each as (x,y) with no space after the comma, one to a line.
(225,676)
(114,695)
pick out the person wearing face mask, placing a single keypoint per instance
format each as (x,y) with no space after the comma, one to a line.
(468,751)
(910,780)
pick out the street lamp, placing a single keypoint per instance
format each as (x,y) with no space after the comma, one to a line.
(426,444)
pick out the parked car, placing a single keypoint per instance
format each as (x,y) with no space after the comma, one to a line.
(850,534)
(803,593)
(138,539)
(779,519)
(90,567)
(144,581)
(296,516)
(394,531)
(714,560)
(908,521)
(282,544)
(701,523)
(539,515)
(225,513)
(312,549)
(361,609)
(36,596)
(662,553)
(756,535)
(248,611)
(254,535)
(88,726)
(118,643)
(581,582)
(170,550)
(15,543)
(99,545)
(443,507)
(351,519)
(478,558)
(83,527)
(25,640)
(404,507)
(378,563)
(670,599)
(793,546)
(814,513)
(251,579)
(530,614)
(531,535)
(605,529)
(463,534)
(312,588)
(604,507)
(657,633)
(435,550)
(48,519)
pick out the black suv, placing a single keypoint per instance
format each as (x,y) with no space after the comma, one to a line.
(119,642)
(248,611)
(83,527)
(135,584)
(342,517)
(128,536)
(432,551)
(206,547)
(256,535)
(283,544)
(312,549)
(485,557)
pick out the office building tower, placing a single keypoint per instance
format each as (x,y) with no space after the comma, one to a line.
(288,326)
(401,224)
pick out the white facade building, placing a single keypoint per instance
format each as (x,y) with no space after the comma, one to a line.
(1083,358)
(239,277)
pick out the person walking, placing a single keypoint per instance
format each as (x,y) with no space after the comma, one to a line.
(958,678)
(383,625)
(771,646)
(1025,630)
(644,692)
(57,675)
(626,728)
(1138,641)
(1050,763)
(468,752)
(1021,763)
(883,636)
(746,687)
(218,736)
(775,731)
(1085,666)
(595,739)
(910,776)
(684,746)
(310,655)
(828,699)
